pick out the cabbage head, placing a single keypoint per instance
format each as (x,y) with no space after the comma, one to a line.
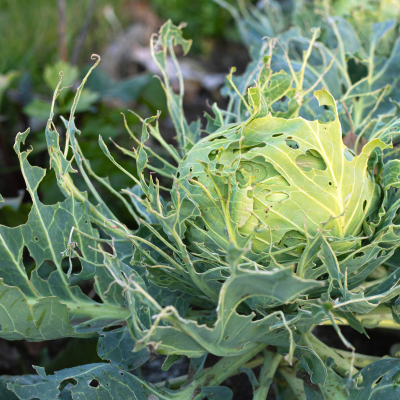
(279,182)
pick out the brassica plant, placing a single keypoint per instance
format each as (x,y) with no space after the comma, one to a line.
(325,49)
(249,234)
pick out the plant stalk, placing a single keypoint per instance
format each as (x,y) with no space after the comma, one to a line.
(102,311)
(343,366)
(360,361)
(295,384)
(271,363)
(379,317)
(222,370)
(176,383)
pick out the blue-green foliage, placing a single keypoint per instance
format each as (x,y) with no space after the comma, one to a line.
(191,278)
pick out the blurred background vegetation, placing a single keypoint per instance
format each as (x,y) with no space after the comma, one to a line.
(43,37)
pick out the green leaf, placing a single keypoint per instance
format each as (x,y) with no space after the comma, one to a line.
(92,382)
(34,308)
(87,99)
(53,72)
(117,347)
(38,109)
(330,261)
(288,385)
(170,361)
(126,90)
(378,380)
(217,392)
(5,82)
(232,334)
(311,362)
(7,394)
(281,195)
(168,37)
(334,387)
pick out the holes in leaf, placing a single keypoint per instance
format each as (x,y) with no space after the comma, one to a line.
(94,383)
(76,264)
(46,186)
(277,197)
(330,183)
(113,327)
(28,261)
(277,134)
(377,381)
(348,154)
(356,71)
(310,160)
(255,170)
(184,158)
(36,239)
(218,138)
(191,169)
(246,149)
(69,383)
(46,269)
(357,255)
(107,248)
(226,337)
(258,170)
(292,238)
(326,114)
(194,178)
(13,218)
(365,204)
(292,143)
(219,166)
(212,155)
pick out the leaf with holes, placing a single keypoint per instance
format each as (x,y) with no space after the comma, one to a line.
(283,178)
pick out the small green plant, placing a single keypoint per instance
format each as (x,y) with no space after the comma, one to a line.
(245,240)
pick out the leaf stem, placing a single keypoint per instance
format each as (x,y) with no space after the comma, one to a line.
(381,323)
(271,363)
(230,80)
(306,56)
(343,366)
(360,361)
(176,383)
(92,310)
(295,384)
(222,370)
